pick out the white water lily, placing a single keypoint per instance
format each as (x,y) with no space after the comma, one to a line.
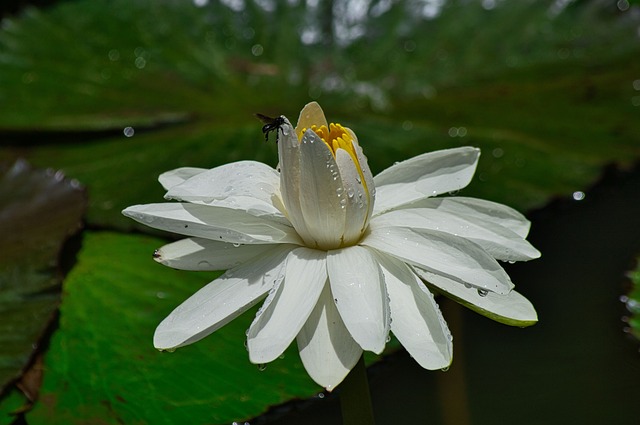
(338,270)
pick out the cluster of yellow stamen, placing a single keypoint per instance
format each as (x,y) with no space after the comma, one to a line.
(335,137)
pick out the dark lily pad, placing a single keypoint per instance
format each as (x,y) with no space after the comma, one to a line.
(102,368)
(39,211)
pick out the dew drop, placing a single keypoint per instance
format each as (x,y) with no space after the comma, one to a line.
(203,264)
(156,254)
(350,193)
(236,245)
(444,369)
(482,292)
(339,191)
(262,367)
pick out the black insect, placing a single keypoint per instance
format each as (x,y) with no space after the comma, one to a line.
(270,124)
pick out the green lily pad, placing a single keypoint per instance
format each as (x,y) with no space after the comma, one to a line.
(102,368)
(39,210)
(549,104)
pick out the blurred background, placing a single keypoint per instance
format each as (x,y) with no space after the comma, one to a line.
(98,97)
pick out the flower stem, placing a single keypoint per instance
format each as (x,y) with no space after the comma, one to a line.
(354,397)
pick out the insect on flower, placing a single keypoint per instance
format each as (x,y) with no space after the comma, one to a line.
(270,124)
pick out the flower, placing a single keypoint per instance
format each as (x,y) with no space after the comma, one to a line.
(338,270)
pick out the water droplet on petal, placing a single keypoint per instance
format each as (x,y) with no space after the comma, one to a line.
(482,292)
(262,367)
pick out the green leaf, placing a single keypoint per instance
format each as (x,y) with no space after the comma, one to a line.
(39,210)
(102,367)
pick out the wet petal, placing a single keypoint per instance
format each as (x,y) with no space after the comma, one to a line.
(221,301)
(424,176)
(210,222)
(289,155)
(366,172)
(510,309)
(500,242)
(354,196)
(285,311)
(327,350)
(443,254)
(320,185)
(206,254)
(357,285)
(417,321)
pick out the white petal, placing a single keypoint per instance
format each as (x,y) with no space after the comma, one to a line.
(502,243)
(354,196)
(424,176)
(327,350)
(179,175)
(209,222)
(443,254)
(221,301)
(207,254)
(250,186)
(310,115)
(366,172)
(357,285)
(478,208)
(320,186)
(511,309)
(416,318)
(285,311)
(289,156)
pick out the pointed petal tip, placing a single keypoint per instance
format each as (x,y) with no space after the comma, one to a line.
(162,343)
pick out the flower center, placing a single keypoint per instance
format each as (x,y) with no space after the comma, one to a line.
(337,137)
